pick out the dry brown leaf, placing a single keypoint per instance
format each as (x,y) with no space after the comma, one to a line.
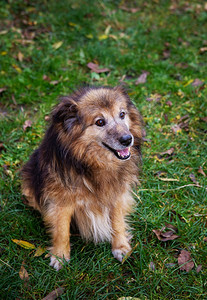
(20,56)
(185,261)
(172,227)
(23,274)
(193,179)
(142,78)
(169,103)
(46,78)
(176,128)
(169,151)
(95,68)
(54,82)
(198,269)
(54,294)
(27,123)
(197,82)
(200,170)
(203,49)
(168,235)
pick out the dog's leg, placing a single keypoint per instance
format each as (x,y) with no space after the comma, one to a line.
(120,244)
(58,220)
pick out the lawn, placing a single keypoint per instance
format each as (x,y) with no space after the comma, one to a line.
(158,51)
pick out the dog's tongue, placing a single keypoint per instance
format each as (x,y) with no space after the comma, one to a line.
(124,152)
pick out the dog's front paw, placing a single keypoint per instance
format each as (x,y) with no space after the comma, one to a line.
(58,262)
(121,252)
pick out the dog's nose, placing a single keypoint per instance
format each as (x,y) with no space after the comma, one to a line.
(125,140)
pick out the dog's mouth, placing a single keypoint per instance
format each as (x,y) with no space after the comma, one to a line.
(121,154)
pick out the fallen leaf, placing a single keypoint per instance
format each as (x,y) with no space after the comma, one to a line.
(193,179)
(54,82)
(24,244)
(107,30)
(39,251)
(46,78)
(54,294)
(142,78)
(89,36)
(176,129)
(17,68)
(198,269)
(166,53)
(169,103)
(169,152)
(200,170)
(185,261)
(23,274)
(57,45)
(3,32)
(95,68)
(27,123)
(183,122)
(102,37)
(47,118)
(154,97)
(20,56)
(172,227)
(72,24)
(168,235)
(203,49)
(197,82)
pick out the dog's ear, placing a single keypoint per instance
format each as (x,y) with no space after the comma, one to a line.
(65,112)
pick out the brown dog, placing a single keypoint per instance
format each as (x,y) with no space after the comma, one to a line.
(84,169)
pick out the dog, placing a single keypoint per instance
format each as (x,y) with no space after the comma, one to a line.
(85,168)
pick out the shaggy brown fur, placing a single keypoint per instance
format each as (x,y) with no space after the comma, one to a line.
(84,169)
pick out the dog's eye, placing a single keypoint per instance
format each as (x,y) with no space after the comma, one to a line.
(122,115)
(100,122)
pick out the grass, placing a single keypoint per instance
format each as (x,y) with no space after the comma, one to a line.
(44,50)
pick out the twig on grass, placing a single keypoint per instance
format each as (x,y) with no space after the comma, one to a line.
(6,264)
(168,190)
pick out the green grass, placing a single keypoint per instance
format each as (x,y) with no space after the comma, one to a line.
(30,31)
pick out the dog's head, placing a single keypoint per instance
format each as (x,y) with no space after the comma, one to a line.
(100,122)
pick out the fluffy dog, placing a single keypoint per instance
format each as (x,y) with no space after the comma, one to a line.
(84,169)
